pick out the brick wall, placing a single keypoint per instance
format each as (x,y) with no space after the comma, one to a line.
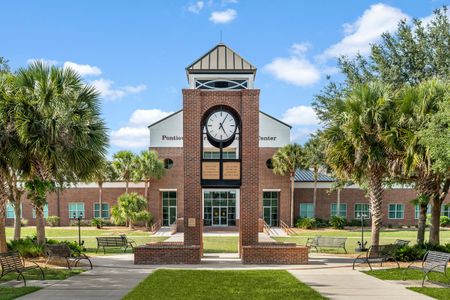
(167,253)
(274,253)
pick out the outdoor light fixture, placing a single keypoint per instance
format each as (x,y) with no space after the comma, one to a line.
(79,218)
(362,244)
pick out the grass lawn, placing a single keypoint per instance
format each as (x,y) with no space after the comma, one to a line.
(226,244)
(7,293)
(386,236)
(194,284)
(397,274)
(437,293)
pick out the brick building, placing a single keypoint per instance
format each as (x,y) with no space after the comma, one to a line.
(217,153)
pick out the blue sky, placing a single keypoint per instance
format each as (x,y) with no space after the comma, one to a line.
(135,52)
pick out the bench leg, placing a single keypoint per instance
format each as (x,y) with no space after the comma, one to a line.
(104,250)
(368,262)
(42,273)
(68,264)
(23,277)
(345,250)
(97,249)
(125,248)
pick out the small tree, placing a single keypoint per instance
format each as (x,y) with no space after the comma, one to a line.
(148,167)
(129,209)
(285,162)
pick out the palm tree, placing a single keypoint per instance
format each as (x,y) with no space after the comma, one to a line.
(354,144)
(148,167)
(124,165)
(285,162)
(104,172)
(313,158)
(57,118)
(416,105)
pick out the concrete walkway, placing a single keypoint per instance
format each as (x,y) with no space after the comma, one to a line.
(115,275)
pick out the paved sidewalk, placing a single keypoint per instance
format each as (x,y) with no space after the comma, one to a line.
(115,275)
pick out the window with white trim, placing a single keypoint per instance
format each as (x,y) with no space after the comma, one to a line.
(396,211)
(445,210)
(362,208)
(33,211)
(342,210)
(10,211)
(105,210)
(76,210)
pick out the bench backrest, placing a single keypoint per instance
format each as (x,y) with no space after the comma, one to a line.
(112,241)
(60,250)
(379,251)
(436,260)
(326,241)
(11,261)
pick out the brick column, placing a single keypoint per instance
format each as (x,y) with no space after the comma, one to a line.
(248,228)
(192,115)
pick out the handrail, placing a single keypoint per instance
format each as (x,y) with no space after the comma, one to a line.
(267,228)
(286,228)
(155,226)
(173,227)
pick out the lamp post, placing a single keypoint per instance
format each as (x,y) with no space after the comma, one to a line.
(362,244)
(79,218)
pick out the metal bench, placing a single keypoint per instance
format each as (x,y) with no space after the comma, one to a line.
(378,253)
(63,251)
(326,242)
(433,261)
(13,262)
(114,241)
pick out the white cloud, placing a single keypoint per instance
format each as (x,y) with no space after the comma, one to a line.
(300,135)
(130,137)
(83,70)
(300,115)
(146,117)
(300,48)
(377,19)
(226,2)
(136,135)
(107,89)
(225,16)
(43,60)
(196,7)
(295,70)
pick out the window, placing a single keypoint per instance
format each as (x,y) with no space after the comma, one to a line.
(105,210)
(342,210)
(10,211)
(396,211)
(168,163)
(417,210)
(169,207)
(362,208)
(76,210)
(269,163)
(306,210)
(231,154)
(219,208)
(445,210)
(45,211)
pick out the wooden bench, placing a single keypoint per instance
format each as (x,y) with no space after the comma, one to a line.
(13,262)
(326,242)
(433,261)
(114,241)
(63,251)
(378,253)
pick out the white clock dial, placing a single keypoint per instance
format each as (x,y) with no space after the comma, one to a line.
(221,126)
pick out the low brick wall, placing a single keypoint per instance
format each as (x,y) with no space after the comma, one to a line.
(275,253)
(166,253)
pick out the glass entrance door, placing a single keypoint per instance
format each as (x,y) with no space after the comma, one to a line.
(270,208)
(219,207)
(220,216)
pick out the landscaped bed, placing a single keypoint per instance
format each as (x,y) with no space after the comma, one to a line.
(190,284)
(397,274)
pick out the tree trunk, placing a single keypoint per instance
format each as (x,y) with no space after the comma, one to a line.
(146,190)
(126,186)
(100,202)
(292,199)
(421,224)
(315,192)
(17,220)
(375,190)
(40,225)
(338,203)
(435,221)
(3,246)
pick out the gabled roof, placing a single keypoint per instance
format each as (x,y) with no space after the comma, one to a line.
(221,59)
(303,175)
(165,118)
(273,118)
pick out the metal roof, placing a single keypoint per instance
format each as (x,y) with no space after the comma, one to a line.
(221,59)
(303,175)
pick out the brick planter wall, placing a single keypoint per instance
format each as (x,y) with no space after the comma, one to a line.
(167,253)
(274,253)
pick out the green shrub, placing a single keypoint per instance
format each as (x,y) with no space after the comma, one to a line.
(321,223)
(28,246)
(305,223)
(97,222)
(145,217)
(53,221)
(416,252)
(83,223)
(445,221)
(357,222)
(338,222)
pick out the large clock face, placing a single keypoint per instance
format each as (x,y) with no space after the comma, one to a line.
(221,126)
